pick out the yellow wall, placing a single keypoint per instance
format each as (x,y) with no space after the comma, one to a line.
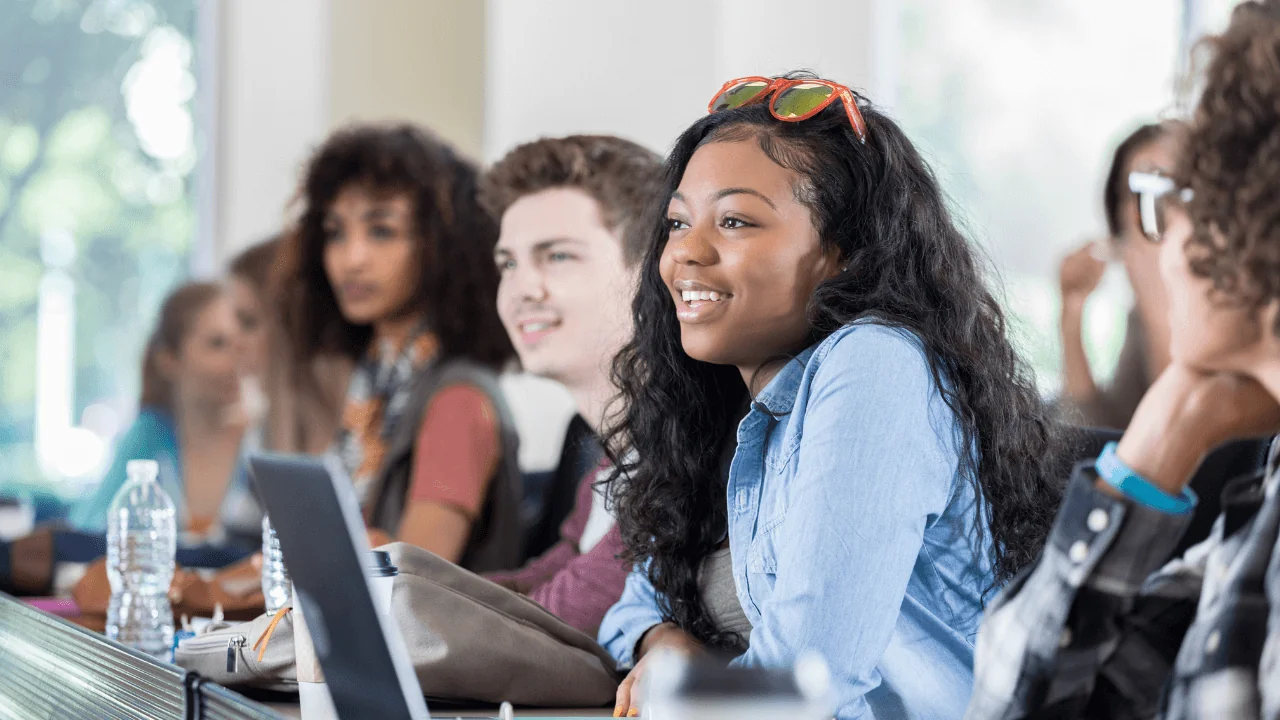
(415,60)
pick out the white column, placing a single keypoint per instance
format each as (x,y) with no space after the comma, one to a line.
(273,108)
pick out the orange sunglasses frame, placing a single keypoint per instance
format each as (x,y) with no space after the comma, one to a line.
(776,86)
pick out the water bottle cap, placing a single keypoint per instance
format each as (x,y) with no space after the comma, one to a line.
(381,565)
(150,469)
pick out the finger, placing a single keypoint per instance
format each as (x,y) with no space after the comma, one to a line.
(623,698)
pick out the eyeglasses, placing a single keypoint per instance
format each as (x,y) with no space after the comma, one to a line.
(1156,195)
(792,100)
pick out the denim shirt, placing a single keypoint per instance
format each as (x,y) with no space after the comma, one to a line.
(852,531)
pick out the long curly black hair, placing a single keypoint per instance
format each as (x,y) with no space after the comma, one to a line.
(907,265)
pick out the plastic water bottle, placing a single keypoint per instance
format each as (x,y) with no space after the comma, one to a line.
(275,577)
(142,538)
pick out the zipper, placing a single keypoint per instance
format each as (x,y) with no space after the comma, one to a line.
(235,644)
(204,642)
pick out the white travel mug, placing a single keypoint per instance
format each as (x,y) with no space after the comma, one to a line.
(313,694)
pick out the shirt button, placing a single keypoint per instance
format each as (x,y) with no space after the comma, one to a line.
(1098,520)
(1078,551)
(1212,642)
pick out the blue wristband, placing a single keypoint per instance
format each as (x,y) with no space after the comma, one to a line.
(1122,477)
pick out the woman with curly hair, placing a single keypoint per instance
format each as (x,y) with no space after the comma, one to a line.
(809,307)
(1098,629)
(391,267)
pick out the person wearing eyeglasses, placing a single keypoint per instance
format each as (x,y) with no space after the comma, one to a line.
(807,294)
(1151,148)
(1098,629)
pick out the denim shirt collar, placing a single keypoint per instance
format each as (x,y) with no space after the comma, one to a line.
(779,396)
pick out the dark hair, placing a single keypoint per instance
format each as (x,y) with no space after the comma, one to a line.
(177,319)
(1232,161)
(457,279)
(907,266)
(257,264)
(621,176)
(1117,188)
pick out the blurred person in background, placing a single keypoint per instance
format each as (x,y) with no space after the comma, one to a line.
(1101,627)
(1151,148)
(391,268)
(572,214)
(193,422)
(249,282)
(190,416)
(249,276)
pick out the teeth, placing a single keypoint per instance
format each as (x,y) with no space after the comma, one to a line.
(701,295)
(535,327)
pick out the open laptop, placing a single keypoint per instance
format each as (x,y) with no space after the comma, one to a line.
(322,535)
(317,519)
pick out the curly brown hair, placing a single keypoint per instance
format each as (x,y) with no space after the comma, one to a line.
(457,281)
(621,176)
(1231,160)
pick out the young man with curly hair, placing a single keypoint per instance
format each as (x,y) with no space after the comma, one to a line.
(1096,629)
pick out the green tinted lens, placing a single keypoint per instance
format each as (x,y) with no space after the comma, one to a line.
(738,95)
(801,100)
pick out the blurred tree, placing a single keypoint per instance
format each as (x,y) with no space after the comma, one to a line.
(96,146)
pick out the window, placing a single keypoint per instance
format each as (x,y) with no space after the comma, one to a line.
(1019,104)
(97,220)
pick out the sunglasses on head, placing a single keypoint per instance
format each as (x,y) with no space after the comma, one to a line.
(789,100)
(1156,195)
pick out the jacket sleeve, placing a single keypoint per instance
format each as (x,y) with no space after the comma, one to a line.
(1089,630)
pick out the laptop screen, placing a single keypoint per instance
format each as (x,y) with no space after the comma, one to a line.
(322,536)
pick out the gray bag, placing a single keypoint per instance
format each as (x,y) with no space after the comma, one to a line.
(228,654)
(468,639)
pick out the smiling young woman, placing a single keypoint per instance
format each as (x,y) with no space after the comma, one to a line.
(808,306)
(391,267)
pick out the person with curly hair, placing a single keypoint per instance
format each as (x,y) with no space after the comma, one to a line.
(808,307)
(1098,629)
(391,267)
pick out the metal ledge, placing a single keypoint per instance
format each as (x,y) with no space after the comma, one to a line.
(50,667)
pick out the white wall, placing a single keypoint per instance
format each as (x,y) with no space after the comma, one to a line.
(646,70)
(505,72)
